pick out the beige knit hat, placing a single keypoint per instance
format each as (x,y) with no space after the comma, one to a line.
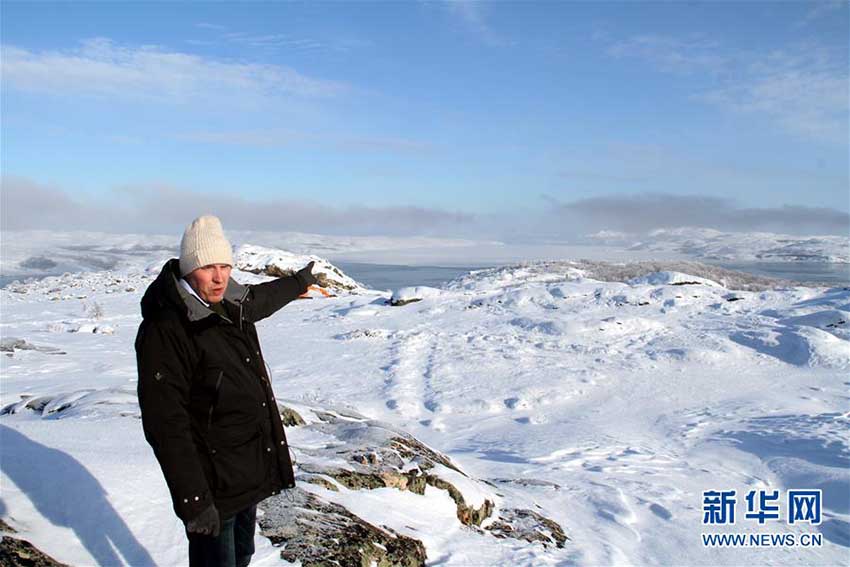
(203,244)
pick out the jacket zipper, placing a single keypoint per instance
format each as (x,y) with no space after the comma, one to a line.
(215,398)
(241,301)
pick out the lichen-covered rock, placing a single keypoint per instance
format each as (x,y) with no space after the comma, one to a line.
(466,513)
(16,552)
(324,534)
(368,454)
(289,416)
(4,527)
(527,525)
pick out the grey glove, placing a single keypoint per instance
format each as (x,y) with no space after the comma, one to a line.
(305,276)
(205,523)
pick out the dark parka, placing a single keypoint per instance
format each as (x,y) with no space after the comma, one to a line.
(206,400)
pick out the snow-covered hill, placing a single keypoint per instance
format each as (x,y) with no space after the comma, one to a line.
(710,244)
(605,406)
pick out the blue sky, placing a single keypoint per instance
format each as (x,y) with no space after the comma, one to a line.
(452,118)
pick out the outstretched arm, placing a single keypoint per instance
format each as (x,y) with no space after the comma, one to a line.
(266,298)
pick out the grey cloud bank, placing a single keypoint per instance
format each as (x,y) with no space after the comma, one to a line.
(649,211)
(27,204)
(145,209)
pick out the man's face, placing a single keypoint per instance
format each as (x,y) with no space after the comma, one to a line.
(210,281)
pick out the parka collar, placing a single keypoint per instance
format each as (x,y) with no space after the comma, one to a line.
(167,288)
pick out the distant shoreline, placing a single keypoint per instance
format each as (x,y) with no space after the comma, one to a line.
(389,276)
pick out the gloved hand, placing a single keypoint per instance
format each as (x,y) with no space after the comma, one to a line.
(305,276)
(206,523)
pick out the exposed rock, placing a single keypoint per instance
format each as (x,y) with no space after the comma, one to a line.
(21,553)
(4,527)
(364,333)
(533,482)
(527,525)
(407,295)
(320,481)
(324,534)
(401,302)
(34,403)
(289,416)
(11,344)
(408,447)
(414,480)
(468,515)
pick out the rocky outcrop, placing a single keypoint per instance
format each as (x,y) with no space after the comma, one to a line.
(324,534)
(279,263)
(338,451)
(16,552)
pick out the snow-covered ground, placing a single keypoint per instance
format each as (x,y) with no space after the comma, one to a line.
(610,406)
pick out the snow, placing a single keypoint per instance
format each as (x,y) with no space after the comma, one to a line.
(671,278)
(608,406)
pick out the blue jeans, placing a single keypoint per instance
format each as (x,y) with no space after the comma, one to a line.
(233,547)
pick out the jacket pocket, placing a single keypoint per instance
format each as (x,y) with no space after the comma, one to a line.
(238,460)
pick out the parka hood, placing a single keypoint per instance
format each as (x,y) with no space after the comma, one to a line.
(166,293)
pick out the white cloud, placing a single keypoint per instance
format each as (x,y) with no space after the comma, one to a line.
(807,95)
(821,9)
(690,55)
(100,67)
(275,41)
(209,26)
(281,137)
(472,14)
(803,89)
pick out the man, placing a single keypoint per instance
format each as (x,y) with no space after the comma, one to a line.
(207,404)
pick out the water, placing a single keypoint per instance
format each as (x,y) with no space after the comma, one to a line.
(386,276)
(821,272)
(383,276)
